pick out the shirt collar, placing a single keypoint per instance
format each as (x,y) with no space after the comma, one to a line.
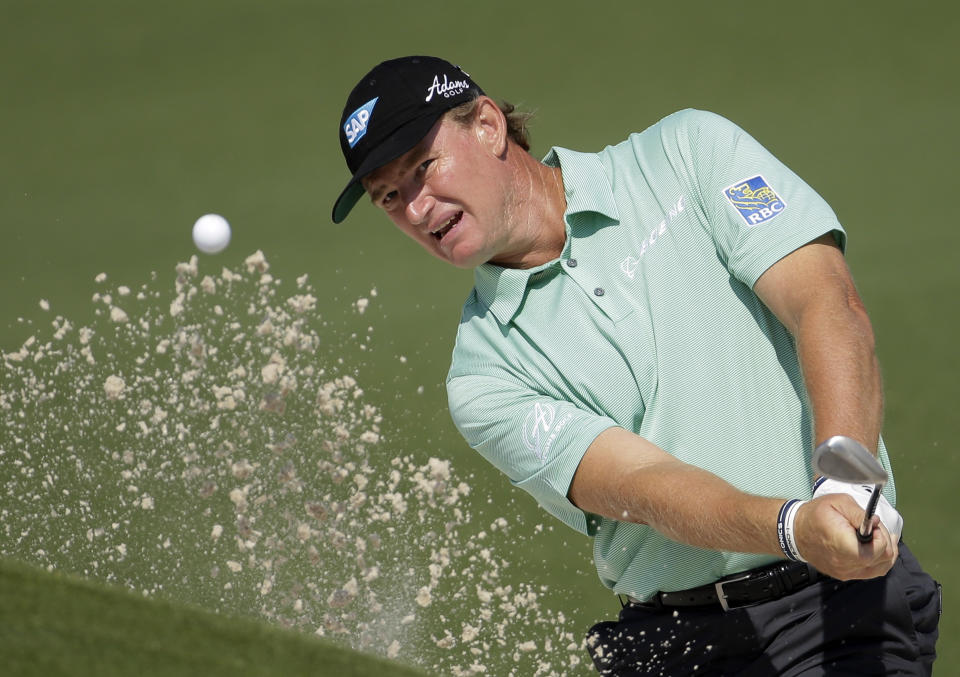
(587,189)
(585,182)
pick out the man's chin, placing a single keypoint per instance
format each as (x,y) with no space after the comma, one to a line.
(460,257)
(467,264)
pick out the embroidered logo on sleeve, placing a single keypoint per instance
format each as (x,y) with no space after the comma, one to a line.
(539,431)
(755,199)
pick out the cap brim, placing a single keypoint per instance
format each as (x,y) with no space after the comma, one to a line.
(402,140)
(348,198)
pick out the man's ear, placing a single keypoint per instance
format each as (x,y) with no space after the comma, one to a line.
(490,126)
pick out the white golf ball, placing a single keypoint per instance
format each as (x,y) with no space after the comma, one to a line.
(211,233)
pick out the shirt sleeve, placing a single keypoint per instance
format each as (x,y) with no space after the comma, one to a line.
(536,440)
(755,208)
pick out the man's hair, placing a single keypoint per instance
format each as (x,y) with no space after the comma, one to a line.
(516,120)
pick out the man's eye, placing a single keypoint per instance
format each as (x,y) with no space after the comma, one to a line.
(424,165)
(388,198)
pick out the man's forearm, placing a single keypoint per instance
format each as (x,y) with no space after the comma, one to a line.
(624,477)
(812,293)
(712,514)
(835,347)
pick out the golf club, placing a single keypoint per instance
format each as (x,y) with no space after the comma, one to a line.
(846,460)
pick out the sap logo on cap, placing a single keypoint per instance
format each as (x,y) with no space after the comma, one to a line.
(755,199)
(356,125)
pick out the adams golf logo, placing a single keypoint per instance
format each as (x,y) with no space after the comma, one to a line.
(447,88)
(755,199)
(540,429)
(356,125)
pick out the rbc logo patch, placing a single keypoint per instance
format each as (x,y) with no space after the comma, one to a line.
(356,125)
(755,200)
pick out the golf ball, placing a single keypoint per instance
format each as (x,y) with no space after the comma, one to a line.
(211,233)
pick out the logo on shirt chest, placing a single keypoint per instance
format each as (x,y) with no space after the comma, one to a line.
(629,264)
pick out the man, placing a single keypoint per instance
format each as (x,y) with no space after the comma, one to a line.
(658,335)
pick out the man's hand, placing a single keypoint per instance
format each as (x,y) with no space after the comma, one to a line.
(891,519)
(826,535)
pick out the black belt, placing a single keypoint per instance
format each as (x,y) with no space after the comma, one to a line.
(739,590)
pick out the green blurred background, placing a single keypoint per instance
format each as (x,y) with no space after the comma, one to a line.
(122,122)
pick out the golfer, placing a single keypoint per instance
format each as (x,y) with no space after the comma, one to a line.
(658,336)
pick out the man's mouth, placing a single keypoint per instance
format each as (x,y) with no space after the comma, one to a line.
(445,227)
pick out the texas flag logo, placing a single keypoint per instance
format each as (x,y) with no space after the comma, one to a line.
(755,200)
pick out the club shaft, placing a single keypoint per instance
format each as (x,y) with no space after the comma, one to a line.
(865,532)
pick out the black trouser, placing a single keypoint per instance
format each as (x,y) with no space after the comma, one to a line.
(883,626)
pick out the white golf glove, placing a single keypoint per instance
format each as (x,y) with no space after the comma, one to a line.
(891,519)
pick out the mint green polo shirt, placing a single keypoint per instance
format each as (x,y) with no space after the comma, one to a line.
(648,321)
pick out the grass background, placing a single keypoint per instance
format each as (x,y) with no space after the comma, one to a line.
(122,122)
(55,624)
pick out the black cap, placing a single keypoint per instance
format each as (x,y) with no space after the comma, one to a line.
(389,112)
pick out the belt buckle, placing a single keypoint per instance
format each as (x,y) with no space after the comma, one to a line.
(722,596)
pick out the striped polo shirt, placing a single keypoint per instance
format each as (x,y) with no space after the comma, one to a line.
(648,321)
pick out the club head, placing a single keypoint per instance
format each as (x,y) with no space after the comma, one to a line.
(846,460)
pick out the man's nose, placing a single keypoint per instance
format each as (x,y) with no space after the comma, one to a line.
(418,208)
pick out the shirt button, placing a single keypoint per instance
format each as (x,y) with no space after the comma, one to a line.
(598,291)
(572,263)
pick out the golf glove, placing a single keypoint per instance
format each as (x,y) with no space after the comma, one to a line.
(891,519)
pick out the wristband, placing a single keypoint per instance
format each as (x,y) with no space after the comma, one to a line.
(785,530)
